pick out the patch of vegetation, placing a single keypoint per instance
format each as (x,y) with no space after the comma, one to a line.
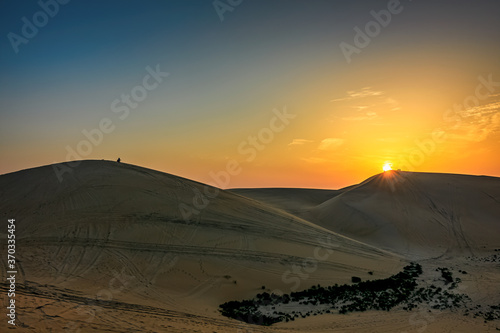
(491,258)
(446,274)
(384,294)
(492,314)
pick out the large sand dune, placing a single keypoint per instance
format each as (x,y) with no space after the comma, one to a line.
(116,247)
(418,215)
(176,244)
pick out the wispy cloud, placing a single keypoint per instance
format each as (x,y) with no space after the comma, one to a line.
(368,103)
(323,152)
(363,93)
(478,123)
(330,144)
(298,142)
(393,104)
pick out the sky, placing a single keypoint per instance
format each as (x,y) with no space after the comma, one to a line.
(261,93)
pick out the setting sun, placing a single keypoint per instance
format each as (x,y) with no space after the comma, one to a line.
(387,167)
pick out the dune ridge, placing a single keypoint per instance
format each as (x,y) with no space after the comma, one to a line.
(111,241)
(418,215)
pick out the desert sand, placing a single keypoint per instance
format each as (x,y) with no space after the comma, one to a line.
(117,248)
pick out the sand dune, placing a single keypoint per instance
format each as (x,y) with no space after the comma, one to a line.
(174,248)
(418,215)
(121,248)
(293,200)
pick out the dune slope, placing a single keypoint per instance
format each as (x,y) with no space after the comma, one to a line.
(418,215)
(142,239)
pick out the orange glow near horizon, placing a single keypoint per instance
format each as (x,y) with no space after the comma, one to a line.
(418,101)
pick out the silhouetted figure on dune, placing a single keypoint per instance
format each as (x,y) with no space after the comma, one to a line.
(118,160)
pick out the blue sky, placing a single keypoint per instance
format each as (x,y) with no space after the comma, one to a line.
(226,77)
